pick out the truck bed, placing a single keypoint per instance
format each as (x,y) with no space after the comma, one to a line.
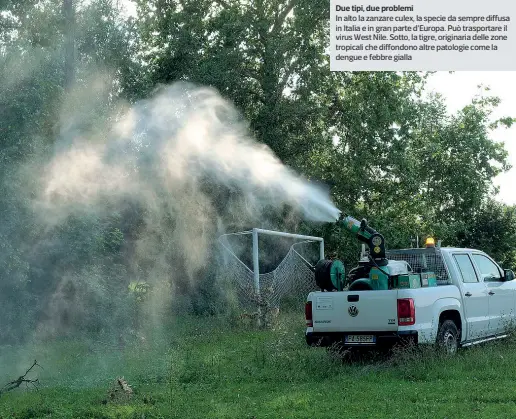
(354,311)
(348,316)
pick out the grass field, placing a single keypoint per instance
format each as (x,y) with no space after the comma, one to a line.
(203,369)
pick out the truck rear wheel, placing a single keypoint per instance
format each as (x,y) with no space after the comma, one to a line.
(448,337)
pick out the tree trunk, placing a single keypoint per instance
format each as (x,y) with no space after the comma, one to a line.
(69,64)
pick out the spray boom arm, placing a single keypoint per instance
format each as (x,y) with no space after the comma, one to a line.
(330,274)
(365,234)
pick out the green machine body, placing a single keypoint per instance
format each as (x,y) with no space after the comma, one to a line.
(378,279)
(407,281)
(428,279)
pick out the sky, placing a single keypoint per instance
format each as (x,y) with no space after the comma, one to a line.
(458,89)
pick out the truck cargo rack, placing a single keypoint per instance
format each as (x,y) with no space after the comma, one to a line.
(423,260)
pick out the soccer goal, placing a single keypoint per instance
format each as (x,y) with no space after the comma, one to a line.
(260,283)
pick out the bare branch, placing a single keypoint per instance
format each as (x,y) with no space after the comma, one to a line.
(21,380)
(222,3)
(283,15)
(286,76)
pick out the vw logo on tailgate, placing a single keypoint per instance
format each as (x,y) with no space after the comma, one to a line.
(353,311)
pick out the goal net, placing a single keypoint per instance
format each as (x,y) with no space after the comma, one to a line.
(268,270)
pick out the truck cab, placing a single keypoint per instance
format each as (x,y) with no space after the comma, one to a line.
(473,300)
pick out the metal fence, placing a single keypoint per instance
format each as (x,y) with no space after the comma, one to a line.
(423,260)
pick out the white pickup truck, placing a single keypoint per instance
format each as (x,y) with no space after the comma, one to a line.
(474,301)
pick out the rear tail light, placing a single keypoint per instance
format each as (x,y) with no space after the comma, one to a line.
(406,312)
(308,314)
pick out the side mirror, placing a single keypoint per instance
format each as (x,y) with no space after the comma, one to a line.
(509,275)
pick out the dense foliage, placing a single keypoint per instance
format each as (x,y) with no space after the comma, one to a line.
(388,152)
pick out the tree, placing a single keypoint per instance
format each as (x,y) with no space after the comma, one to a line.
(492,229)
(252,52)
(454,158)
(388,153)
(69,61)
(35,263)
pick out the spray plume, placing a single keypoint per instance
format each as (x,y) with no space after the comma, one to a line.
(186,164)
(174,142)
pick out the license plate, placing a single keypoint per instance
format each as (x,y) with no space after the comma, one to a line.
(360,339)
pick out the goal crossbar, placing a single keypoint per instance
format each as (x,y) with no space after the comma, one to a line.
(256,262)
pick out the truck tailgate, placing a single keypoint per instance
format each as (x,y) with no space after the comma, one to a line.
(359,311)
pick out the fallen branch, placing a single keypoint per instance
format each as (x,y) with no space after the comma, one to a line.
(20,380)
(120,391)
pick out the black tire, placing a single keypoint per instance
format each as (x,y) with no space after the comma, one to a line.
(311,341)
(448,337)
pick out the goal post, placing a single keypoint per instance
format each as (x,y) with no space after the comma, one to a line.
(287,284)
(256,261)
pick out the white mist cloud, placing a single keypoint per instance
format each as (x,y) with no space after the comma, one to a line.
(169,146)
(185,162)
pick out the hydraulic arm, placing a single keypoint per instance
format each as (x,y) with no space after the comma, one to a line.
(368,235)
(375,272)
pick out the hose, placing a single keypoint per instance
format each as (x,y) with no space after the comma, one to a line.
(380,269)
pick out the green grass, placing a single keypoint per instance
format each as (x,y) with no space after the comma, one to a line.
(201,368)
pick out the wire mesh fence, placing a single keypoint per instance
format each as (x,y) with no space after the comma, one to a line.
(423,260)
(285,287)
